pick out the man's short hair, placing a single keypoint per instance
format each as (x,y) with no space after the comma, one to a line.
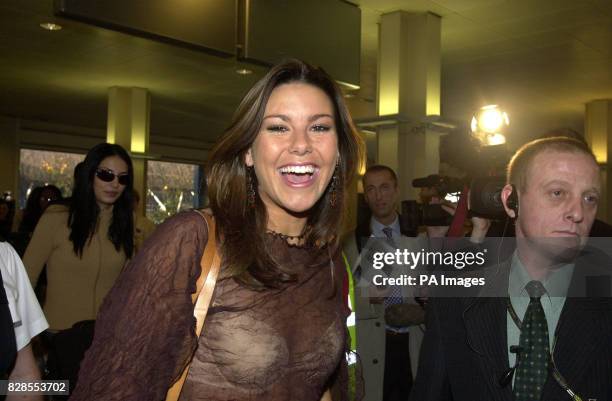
(565,132)
(520,163)
(379,168)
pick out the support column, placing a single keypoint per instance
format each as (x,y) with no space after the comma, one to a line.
(409,91)
(598,133)
(128,126)
(9,156)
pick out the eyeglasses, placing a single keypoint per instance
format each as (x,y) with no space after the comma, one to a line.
(109,176)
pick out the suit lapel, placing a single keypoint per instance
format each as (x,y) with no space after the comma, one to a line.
(485,323)
(585,323)
(362,234)
(582,332)
(486,329)
(405,230)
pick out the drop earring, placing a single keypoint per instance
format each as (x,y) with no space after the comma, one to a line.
(250,186)
(333,190)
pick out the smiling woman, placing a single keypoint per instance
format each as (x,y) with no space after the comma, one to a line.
(294,154)
(276,328)
(294,120)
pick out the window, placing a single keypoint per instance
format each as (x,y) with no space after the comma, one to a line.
(42,167)
(171,187)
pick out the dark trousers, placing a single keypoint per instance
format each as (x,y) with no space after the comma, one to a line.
(398,373)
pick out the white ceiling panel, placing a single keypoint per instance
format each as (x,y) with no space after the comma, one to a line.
(597,36)
(385,6)
(543,59)
(499,12)
(465,6)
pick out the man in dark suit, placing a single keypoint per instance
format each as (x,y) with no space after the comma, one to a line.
(541,329)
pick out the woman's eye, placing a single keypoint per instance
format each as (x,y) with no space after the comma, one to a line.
(321,128)
(277,128)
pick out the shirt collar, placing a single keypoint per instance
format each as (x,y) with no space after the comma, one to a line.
(556,284)
(377,227)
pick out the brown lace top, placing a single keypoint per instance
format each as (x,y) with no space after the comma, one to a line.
(268,345)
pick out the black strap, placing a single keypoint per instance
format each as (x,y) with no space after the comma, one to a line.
(8,344)
(517,320)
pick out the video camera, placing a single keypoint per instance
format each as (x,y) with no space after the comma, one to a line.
(485,197)
(443,185)
(417,214)
(485,200)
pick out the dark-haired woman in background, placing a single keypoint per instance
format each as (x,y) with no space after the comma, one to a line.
(86,242)
(276,329)
(25,220)
(37,203)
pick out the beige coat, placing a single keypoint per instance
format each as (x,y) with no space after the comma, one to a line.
(371,329)
(76,286)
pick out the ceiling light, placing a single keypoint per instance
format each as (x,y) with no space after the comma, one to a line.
(50,26)
(490,119)
(348,85)
(495,139)
(244,71)
(488,125)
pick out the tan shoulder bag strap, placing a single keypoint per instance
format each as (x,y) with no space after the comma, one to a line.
(205,287)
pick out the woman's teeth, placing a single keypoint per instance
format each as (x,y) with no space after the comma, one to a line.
(306,169)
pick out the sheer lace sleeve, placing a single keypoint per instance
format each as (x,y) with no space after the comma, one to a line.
(145,329)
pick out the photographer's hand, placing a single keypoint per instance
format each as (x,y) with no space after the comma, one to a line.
(440,231)
(480,226)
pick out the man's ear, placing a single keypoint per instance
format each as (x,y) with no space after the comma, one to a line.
(248,158)
(505,194)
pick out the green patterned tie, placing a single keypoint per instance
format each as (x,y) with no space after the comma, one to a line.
(532,371)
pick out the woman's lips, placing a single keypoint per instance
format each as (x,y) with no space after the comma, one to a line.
(299,175)
(299,180)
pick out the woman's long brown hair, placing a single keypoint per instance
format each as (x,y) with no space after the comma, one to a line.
(242,227)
